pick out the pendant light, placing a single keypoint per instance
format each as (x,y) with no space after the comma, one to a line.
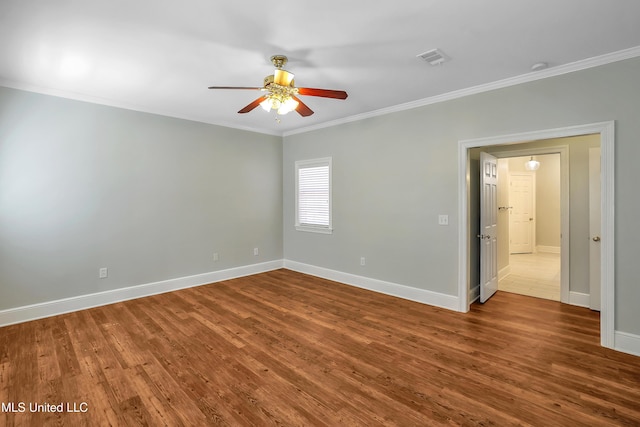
(532,165)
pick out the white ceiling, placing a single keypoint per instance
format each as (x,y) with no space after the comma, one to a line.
(161,55)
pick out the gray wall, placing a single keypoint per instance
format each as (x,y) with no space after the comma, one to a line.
(387,194)
(84,186)
(394,174)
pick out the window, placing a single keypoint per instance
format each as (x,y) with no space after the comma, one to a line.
(313,195)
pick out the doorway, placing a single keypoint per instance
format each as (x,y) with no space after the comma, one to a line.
(605,132)
(530,216)
(557,221)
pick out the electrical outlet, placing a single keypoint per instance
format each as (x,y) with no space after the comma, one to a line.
(363,261)
(103,273)
(215,257)
(256,252)
(443,219)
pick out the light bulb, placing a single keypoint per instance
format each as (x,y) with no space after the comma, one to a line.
(266,105)
(532,165)
(270,104)
(289,105)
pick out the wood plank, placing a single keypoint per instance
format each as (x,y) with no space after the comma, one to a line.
(284,348)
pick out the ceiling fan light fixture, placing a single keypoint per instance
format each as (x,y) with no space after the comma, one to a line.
(282,105)
(282,94)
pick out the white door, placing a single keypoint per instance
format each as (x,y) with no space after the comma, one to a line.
(594,228)
(521,218)
(488,226)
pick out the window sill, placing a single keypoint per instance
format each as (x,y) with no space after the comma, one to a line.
(321,230)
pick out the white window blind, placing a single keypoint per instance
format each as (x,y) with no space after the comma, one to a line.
(313,195)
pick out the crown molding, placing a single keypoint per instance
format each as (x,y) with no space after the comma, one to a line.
(608,58)
(75,96)
(584,64)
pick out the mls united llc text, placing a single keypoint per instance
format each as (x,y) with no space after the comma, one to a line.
(21,407)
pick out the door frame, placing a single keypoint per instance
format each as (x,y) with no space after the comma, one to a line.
(606,130)
(594,247)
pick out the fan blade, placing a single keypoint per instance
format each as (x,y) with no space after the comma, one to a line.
(235,87)
(253,105)
(325,93)
(302,108)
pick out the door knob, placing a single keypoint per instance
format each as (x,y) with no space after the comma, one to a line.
(596,239)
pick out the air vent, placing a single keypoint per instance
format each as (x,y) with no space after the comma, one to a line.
(434,57)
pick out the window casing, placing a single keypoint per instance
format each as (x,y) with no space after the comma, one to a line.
(313,195)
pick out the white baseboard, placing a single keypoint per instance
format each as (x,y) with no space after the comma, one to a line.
(548,249)
(627,343)
(579,299)
(401,291)
(82,302)
(504,272)
(624,342)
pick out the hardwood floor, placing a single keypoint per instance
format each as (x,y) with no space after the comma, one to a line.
(283,348)
(536,275)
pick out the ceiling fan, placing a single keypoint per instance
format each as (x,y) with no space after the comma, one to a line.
(281,94)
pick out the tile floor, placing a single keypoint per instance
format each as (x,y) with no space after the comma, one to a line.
(536,275)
